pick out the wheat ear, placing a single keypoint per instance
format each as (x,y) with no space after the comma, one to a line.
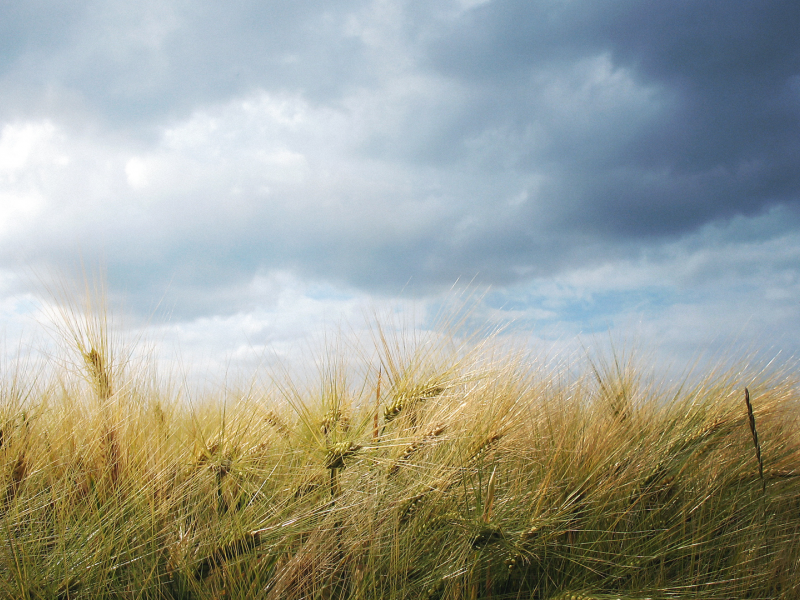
(99,373)
(273,420)
(430,435)
(484,446)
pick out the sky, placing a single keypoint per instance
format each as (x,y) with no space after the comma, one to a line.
(248,173)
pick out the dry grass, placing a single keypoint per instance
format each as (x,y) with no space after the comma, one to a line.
(479,473)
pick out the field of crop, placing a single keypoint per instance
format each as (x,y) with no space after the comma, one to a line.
(441,467)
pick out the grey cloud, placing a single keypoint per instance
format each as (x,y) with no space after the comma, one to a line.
(35,28)
(723,137)
(133,64)
(510,141)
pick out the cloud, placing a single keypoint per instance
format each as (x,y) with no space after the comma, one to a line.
(580,157)
(131,66)
(684,112)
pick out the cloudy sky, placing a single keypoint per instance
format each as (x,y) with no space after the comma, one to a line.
(627,168)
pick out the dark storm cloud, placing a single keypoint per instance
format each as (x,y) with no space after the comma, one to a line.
(725,141)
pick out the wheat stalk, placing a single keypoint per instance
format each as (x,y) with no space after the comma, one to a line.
(375,430)
(753,430)
(487,507)
(112,454)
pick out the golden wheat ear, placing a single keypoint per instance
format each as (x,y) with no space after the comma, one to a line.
(98,371)
(428,437)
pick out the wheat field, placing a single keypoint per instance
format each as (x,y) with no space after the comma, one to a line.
(441,466)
